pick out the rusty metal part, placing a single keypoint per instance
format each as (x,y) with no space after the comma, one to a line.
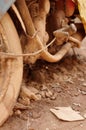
(65,35)
(76,42)
(59,55)
(31,31)
(70,29)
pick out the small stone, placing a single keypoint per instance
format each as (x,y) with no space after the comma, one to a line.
(53,98)
(24,101)
(36,115)
(77,93)
(59,90)
(19,106)
(84,84)
(46,67)
(83,92)
(81,125)
(17,112)
(55,76)
(44,88)
(80,79)
(55,85)
(77,104)
(24,117)
(34,90)
(43,94)
(39,97)
(48,94)
(69,80)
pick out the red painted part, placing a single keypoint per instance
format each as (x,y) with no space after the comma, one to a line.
(69,7)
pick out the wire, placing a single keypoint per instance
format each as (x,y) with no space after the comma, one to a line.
(12,55)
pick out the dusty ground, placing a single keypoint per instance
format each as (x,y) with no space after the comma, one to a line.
(59,84)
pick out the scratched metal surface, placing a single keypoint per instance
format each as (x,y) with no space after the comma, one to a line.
(4,6)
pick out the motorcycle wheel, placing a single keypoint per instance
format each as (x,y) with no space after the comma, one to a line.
(11,70)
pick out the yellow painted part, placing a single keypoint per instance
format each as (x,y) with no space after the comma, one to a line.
(82,11)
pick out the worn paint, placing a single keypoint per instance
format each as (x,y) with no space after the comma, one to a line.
(4,6)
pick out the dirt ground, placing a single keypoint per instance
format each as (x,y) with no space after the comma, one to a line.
(58,84)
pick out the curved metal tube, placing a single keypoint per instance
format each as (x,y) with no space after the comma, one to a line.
(59,55)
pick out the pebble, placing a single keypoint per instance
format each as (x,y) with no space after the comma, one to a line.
(39,97)
(34,90)
(25,101)
(44,88)
(48,94)
(53,98)
(83,92)
(17,112)
(55,85)
(77,104)
(24,117)
(43,94)
(36,115)
(84,84)
(46,67)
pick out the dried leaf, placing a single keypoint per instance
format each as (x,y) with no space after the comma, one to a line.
(66,114)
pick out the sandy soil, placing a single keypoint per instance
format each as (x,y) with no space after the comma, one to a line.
(59,84)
